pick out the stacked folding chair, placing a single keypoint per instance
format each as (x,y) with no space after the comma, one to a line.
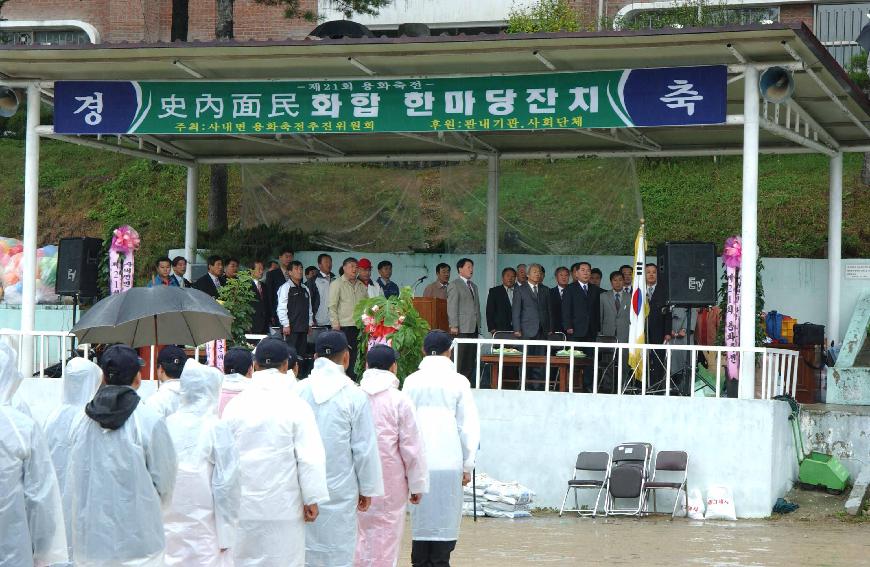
(629,472)
(589,464)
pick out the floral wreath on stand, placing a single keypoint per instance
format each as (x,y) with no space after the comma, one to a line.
(393,322)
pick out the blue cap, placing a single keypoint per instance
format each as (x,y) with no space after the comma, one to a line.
(120,363)
(271,351)
(437,342)
(238,360)
(330,343)
(381,357)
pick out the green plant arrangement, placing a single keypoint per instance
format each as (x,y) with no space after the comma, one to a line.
(395,322)
(236,296)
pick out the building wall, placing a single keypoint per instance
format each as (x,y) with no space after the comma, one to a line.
(150,20)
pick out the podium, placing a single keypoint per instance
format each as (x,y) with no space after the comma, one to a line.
(434,310)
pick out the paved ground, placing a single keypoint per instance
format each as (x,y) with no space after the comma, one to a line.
(815,535)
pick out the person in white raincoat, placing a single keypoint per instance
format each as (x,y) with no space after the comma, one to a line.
(31,517)
(353,465)
(402,461)
(447,417)
(82,379)
(170,363)
(15,400)
(282,462)
(238,368)
(201,522)
(121,472)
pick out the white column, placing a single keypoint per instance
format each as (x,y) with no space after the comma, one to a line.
(31,209)
(492,223)
(749,230)
(835,239)
(190,216)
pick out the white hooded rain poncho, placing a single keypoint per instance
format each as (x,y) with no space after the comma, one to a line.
(15,400)
(201,521)
(82,380)
(353,465)
(167,398)
(283,466)
(120,476)
(447,418)
(31,517)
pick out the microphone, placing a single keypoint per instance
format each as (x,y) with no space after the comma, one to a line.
(419,281)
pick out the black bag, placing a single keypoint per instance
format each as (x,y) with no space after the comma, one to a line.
(809,334)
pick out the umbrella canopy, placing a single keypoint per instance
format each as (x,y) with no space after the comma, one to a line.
(144,316)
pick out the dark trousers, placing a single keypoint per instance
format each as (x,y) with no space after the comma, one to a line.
(299,341)
(467,362)
(535,375)
(431,553)
(352,335)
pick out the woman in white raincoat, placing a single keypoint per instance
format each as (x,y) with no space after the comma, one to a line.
(402,461)
(447,418)
(82,380)
(31,518)
(201,522)
(282,463)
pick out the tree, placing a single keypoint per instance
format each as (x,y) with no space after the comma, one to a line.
(292,8)
(544,16)
(858,72)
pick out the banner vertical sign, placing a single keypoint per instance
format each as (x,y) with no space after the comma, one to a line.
(215,351)
(125,241)
(731,257)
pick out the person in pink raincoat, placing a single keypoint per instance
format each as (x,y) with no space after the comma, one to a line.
(402,458)
(238,369)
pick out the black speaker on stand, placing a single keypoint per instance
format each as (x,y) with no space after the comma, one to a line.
(78,266)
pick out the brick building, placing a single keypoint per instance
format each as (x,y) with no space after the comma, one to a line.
(112,21)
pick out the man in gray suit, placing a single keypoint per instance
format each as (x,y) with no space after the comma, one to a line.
(463,316)
(531,315)
(615,323)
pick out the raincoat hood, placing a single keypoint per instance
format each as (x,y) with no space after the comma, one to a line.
(200,388)
(82,380)
(437,363)
(112,406)
(235,382)
(375,381)
(273,378)
(10,377)
(327,379)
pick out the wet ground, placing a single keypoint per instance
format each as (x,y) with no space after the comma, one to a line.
(815,535)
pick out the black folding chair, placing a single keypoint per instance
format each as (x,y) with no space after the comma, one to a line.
(587,461)
(673,463)
(629,471)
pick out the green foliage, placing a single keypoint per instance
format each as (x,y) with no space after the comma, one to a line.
(262,242)
(236,297)
(16,125)
(857,70)
(760,331)
(544,16)
(294,9)
(697,14)
(407,339)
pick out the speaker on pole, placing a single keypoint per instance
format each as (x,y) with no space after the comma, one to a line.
(687,273)
(78,264)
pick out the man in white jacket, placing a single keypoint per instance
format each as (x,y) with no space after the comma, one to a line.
(448,420)
(201,522)
(353,466)
(283,464)
(170,363)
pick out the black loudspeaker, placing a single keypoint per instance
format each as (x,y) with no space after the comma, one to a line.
(687,273)
(78,263)
(809,334)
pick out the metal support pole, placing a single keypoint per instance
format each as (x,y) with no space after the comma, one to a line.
(749,232)
(492,223)
(835,237)
(190,216)
(31,210)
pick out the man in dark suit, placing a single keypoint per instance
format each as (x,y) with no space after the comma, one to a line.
(499,301)
(658,324)
(179,266)
(556,295)
(531,318)
(294,310)
(213,279)
(276,278)
(261,303)
(580,314)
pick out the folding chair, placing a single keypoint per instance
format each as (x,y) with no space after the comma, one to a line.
(628,475)
(587,461)
(671,462)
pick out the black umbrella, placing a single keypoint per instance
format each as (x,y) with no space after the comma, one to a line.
(142,315)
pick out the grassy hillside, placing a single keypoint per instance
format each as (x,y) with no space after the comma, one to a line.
(585,206)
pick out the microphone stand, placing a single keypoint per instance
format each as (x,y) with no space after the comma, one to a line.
(419,281)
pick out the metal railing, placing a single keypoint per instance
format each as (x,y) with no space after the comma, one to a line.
(778,366)
(837,26)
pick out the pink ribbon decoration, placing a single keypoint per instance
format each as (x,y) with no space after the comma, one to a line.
(125,241)
(731,257)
